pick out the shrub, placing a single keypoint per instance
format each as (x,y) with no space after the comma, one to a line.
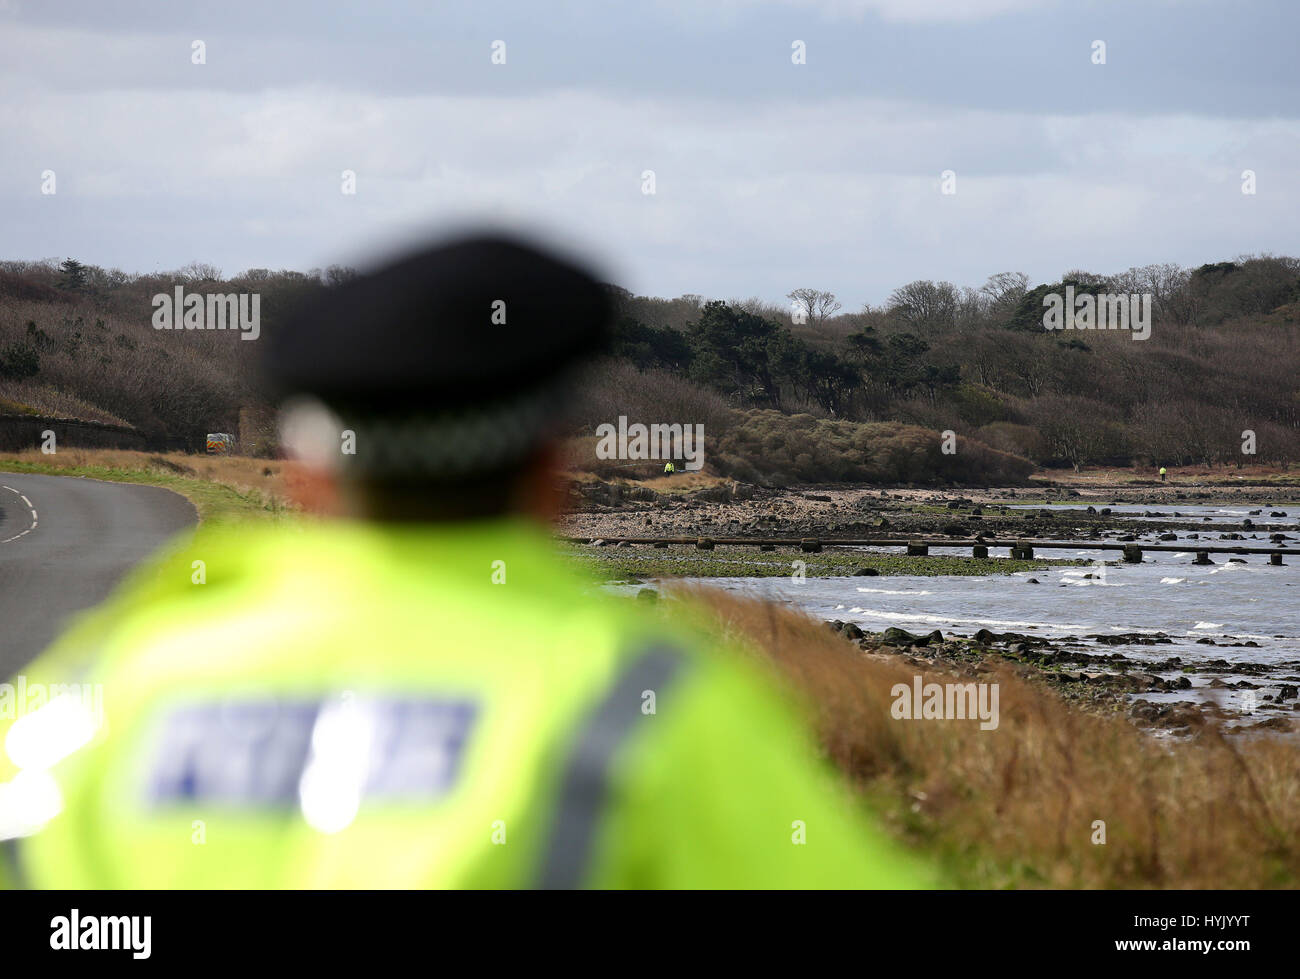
(772,449)
(18,361)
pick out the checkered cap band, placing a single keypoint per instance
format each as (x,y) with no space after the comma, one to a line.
(451,445)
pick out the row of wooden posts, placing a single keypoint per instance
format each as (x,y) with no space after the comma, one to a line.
(1020,549)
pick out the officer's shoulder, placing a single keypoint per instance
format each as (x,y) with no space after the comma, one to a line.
(715,673)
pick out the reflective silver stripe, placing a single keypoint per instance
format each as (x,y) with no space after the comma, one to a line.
(14,864)
(586,776)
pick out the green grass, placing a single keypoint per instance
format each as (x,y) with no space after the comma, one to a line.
(215,502)
(684,561)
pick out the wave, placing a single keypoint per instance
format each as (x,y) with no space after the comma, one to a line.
(990,623)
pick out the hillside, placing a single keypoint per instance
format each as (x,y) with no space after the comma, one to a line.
(805,393)
(1221,360)
(77,341)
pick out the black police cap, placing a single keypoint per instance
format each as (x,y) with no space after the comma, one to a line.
(448,362)
(420,332)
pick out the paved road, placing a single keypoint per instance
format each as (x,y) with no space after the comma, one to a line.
(64,544)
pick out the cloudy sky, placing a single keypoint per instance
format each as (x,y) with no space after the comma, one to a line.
(767,174)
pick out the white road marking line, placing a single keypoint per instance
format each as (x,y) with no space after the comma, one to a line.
(34,518)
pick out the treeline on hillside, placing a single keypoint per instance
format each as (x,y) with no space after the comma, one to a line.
(77,341)
(1218,370)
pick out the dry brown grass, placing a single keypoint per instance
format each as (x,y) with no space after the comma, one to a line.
(26,397)
(1016,806)
(1180,477)
(241,472)
(580,462)
(220,487)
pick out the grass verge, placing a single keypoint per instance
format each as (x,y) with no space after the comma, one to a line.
(222,489)
(1053,796)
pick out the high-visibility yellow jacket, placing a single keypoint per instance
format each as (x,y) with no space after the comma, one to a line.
(349,705)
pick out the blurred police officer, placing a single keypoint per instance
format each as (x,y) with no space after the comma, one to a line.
(419,692)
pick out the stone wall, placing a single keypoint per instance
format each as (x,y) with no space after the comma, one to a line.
(18,432)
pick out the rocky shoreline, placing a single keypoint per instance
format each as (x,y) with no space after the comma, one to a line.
(1178,695)
(1158,695)
(604,510)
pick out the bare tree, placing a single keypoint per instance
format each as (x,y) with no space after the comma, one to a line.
(926,306)
(337,275)
(818,305)
(1167,286)
(1003,291)
(199,272)
(1074,429)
